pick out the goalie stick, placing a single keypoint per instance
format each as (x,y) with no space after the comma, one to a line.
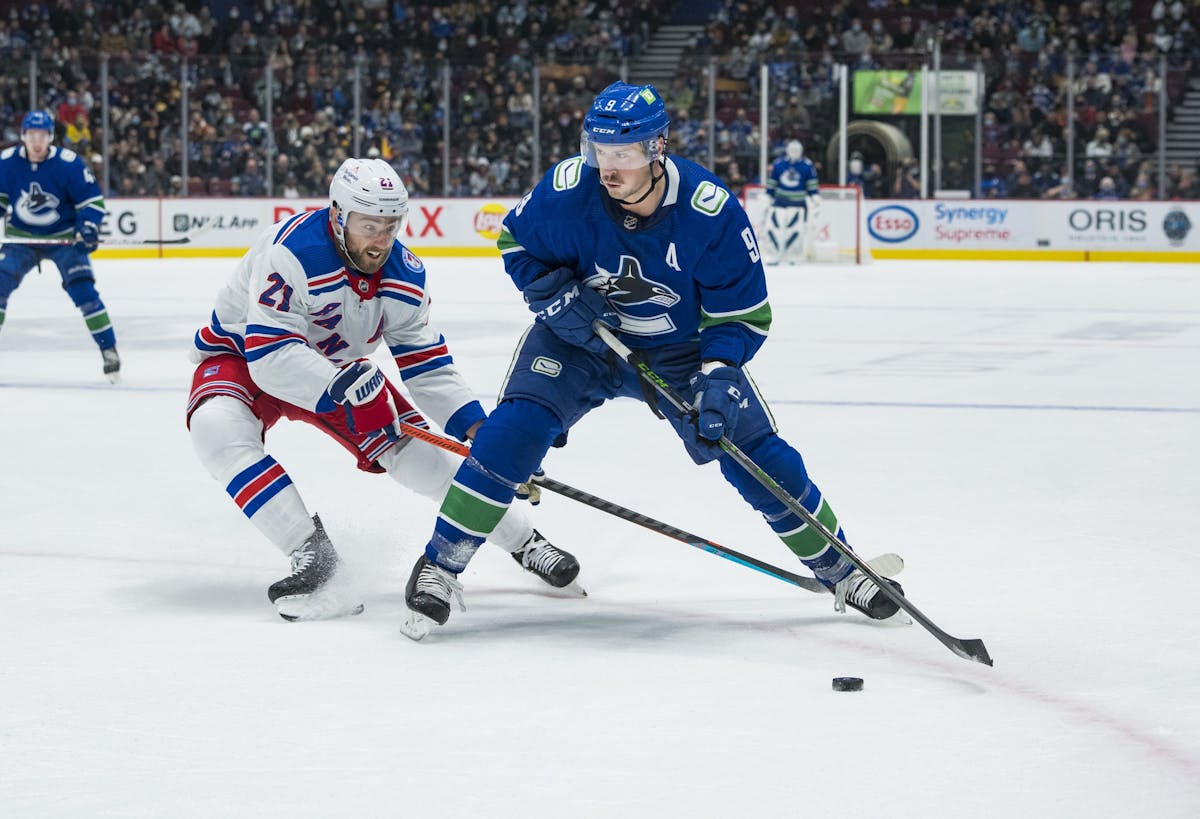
(970,649)
(892,565)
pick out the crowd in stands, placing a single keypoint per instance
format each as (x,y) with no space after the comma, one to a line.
(214,60)
(1116,48)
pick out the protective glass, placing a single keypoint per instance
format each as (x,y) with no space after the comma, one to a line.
(622,157)
(373,228)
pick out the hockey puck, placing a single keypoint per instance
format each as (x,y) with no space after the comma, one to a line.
(847,683)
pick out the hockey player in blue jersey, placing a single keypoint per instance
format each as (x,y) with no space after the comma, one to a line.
(659,249)
(290,337)
(49,193)
(795,202)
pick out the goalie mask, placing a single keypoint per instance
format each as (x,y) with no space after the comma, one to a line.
(624,126)
(795,151)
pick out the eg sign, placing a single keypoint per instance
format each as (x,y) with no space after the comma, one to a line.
(892,223)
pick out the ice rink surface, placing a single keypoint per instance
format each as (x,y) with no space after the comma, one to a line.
(1025,435)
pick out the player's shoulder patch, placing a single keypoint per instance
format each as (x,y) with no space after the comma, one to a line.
(8,153)
(411,261)
(568,173)
(709,198)
(67,155)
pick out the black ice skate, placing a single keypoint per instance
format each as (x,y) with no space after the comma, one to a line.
(860,592)
(428,594)
(547,561)
(112,364)
(307,594)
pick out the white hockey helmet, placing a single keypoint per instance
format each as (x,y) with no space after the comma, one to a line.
(367,186)
(795,151)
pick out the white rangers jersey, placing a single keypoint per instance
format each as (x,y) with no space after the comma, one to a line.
(295,312)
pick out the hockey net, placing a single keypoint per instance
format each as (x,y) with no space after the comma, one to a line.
(840,232)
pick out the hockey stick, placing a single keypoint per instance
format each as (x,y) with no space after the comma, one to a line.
(37,240)
(107,242)
(807,583)
(971,649)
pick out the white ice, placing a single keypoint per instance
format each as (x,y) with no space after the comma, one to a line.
(1026,435)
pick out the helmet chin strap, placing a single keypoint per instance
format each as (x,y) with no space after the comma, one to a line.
(662,163)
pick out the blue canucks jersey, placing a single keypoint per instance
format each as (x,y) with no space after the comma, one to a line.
(792,183)
(690,271)
(50,198)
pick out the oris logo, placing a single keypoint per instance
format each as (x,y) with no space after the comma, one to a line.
(892,223)
(1108,219)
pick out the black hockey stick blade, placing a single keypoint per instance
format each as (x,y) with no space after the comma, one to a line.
(972,649)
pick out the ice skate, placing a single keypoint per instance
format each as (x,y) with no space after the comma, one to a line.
(860,592)
(428,594)
(308,593)
(112,364)
(556,567)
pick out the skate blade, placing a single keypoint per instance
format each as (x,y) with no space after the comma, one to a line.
(416,626)
(113,378)
(315,607)
(572,589)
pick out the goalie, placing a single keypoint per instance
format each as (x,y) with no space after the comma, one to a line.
(795,201)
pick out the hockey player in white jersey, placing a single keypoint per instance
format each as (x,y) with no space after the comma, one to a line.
(795,196)
(289,338)
(50,194)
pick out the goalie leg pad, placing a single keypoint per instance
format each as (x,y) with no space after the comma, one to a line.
(785,227)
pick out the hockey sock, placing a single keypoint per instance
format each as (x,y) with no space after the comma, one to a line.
(508,448)
(95,315)
(785,465)
(227,438)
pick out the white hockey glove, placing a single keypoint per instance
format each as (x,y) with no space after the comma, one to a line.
(814,207)
(530,490)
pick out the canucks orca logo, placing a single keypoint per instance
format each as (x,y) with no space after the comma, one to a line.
(37,208)
(1176,226)
(630,286)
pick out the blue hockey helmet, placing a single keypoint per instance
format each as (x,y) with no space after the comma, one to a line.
(624,114)
(37,121)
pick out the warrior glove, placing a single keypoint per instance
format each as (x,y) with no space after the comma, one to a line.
(361,390)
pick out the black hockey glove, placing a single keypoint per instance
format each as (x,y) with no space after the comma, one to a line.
(569,308)
(87,237)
